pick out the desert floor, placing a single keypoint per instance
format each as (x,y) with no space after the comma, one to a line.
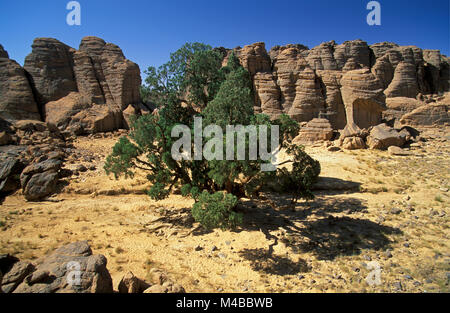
(398,218)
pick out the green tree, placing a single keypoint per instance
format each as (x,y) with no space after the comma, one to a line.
(194,83)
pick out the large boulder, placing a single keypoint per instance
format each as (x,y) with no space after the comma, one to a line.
(427,115)
(9,173)
(70,269)
(382,137)
(40,179)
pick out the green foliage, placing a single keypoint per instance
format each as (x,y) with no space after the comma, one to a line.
(194,83)
(216,210)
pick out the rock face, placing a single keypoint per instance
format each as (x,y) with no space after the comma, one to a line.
(318,129)
(58,273)
(16,96)
(430,114)
(346,84)
(82,91)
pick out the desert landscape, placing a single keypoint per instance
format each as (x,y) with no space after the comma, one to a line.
(374,116)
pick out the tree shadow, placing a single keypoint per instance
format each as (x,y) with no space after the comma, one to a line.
(312,227)
(262,260)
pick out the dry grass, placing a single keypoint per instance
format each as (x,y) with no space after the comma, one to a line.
(325,243)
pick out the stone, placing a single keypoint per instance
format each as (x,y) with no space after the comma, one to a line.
(427,115)
(315,130)
(16,95)
(131,284)
(393,150)
(353,143)
(382,137)
(15,276)
(52,272)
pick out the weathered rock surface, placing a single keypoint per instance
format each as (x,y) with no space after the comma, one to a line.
(57,273)
(82,91)
(318,129)
(131,284)
(430,114)
(346,83)
(16,96)
(382,137)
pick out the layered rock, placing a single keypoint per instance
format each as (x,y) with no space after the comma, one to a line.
(363,98)
(318,129)
(342,83)
(430,114)
(404,83)
(16,97)
(50,65)
(83,91)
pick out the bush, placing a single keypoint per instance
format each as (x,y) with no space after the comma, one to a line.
(194,83)
(216,210)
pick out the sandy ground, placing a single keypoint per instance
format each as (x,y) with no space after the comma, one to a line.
(399,218)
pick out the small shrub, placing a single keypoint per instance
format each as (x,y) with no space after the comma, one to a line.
(216,210)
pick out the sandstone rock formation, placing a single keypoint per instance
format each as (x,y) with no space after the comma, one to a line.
(430,114)
(318,129)
(82,91)
(346,84)
(16,96)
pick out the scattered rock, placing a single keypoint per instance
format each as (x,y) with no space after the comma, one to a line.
(393,150)
(131,284)
(56,270)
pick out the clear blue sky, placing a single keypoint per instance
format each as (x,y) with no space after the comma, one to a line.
(148,30)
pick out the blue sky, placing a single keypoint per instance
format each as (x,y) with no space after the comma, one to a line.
(147,31)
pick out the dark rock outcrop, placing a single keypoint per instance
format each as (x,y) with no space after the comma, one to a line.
(70,269)
(16,96)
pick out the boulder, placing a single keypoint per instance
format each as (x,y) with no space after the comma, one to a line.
(131,284)
(40,185)
(9,173)
(427,115)
(394,150)
(70,269)
(40,179)
(353,143)
(15,276)
(382,137)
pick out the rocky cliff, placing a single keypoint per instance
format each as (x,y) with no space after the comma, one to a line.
(95,88)
(82,91)
(348,83)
